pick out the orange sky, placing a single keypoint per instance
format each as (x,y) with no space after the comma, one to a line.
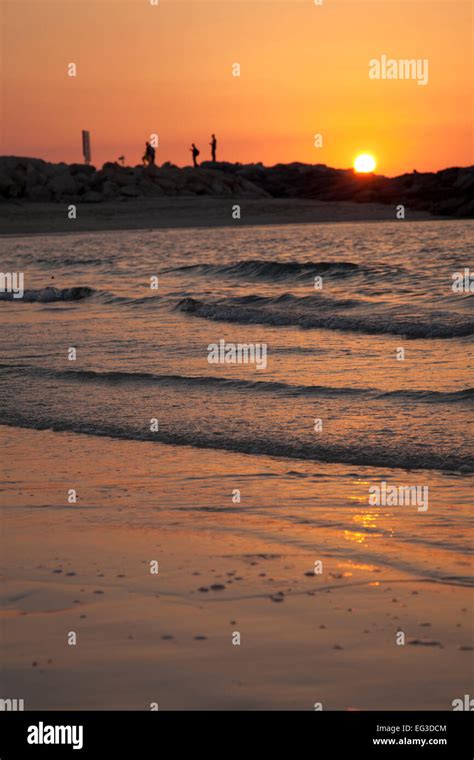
(167,69)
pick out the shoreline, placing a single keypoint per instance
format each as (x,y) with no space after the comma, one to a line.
(305,638)
(222,451)
(32,218)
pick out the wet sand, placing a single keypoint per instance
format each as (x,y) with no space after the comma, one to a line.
(224,568)
(26,217)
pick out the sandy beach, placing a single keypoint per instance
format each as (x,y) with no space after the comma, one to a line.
(23,217)
(167,638)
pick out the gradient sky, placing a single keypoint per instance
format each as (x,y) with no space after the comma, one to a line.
(304,70)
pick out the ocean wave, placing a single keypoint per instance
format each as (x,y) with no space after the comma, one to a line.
(117,377)
(273,270)
(307,303)
(301,313)
(49,294)
(363,456)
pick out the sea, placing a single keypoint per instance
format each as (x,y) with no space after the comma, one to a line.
(367,377)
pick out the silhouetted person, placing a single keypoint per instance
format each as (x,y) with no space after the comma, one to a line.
(213,145)
(149,155)
(195,153)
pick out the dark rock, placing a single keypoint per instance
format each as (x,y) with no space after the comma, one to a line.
(81,169)
(63,184)
(151,171)
(109,189)
(6,183)
(82,179)
(92,197)
(39,193)
(466,211)
(447,193)
(130,191)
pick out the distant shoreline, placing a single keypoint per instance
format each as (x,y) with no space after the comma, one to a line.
(25,217)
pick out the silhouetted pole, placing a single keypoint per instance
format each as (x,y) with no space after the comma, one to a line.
(86,146)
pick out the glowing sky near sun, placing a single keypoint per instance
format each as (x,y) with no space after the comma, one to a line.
(304,71)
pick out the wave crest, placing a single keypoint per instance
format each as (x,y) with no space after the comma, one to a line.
(50,294)
(273,270)
(313,312)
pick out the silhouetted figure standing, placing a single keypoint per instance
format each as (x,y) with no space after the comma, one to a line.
(195,153)
(213,145)
(147,155)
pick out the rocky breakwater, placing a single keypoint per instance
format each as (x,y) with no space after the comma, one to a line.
(449,192)
(32,179)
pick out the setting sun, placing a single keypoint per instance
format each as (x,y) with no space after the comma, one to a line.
(365,163)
